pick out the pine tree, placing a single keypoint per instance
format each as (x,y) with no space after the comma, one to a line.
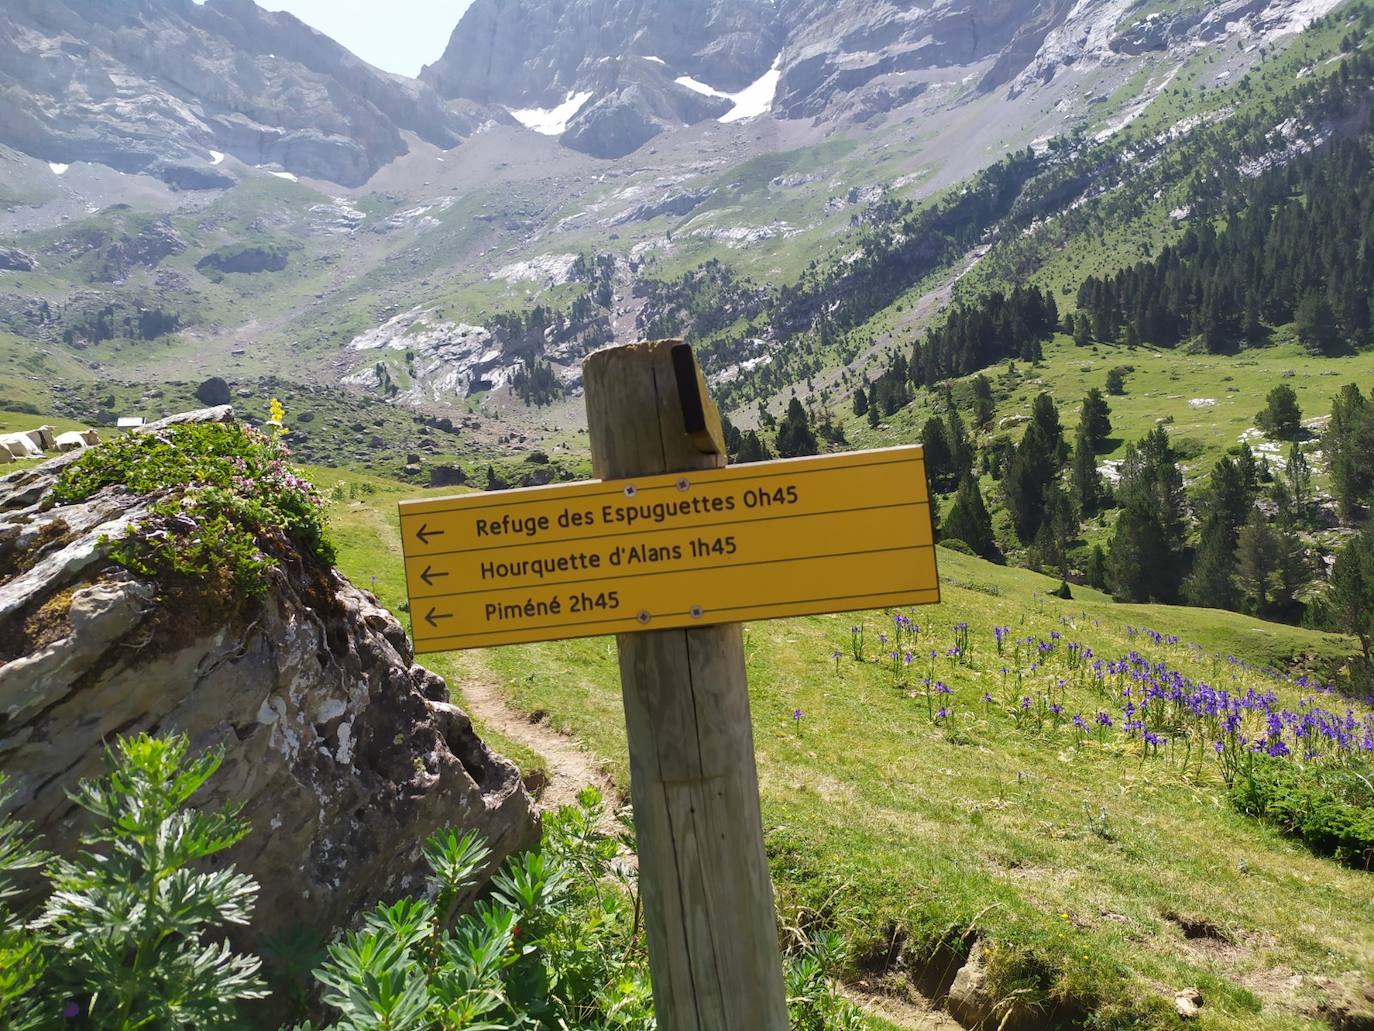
(1212,581)
(1138,547)
(795,435)
(1298,478)
(1257,561)
(1144,561)
(1294,572)
(984,406)
(1045,422)
(1095,417)
(939,461)
(1349,447)
(1096,572)
(1228,496)
(1086,480)
(1116,381)
(1281,416)
(1150,475)
(1249,469)
(860,401)
(1350,591)
(752,449)
(1315,323)
(1062,519)
(968,519)
(960,450)
(1082,331)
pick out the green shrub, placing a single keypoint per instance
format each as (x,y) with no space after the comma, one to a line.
(229,503)
(124,938)
(554,944)
(812,1002)
(956,545)
(21,958)
(1329,808)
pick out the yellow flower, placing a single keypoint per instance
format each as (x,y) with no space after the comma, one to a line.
(276,415)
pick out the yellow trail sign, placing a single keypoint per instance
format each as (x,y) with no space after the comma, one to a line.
(796,537)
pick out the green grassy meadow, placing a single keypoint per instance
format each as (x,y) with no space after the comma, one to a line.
(1101,877)
(1160,387)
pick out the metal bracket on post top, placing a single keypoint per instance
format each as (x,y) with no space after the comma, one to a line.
(700,416)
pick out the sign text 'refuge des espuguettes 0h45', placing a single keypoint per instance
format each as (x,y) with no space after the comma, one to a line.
(796,537)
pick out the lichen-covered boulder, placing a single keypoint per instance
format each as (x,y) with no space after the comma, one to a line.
(344,754)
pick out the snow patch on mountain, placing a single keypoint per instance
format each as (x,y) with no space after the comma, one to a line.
(754,100)
(553,121)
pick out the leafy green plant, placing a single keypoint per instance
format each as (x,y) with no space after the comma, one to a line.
(21,959)
(554,945)
(125,936)
(813,999)
(1330,809)
(228,501)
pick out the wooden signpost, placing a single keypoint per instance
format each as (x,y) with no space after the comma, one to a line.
(670,550)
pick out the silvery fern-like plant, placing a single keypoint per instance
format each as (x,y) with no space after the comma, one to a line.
(130,924)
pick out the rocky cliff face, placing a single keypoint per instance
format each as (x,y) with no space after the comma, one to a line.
(165,85)
(615,70)
(603,73)
(344,753)
(607,75)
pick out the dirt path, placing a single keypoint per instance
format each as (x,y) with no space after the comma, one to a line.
(911,1015)
(570,767)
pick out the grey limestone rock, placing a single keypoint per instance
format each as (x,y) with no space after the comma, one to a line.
(344,753)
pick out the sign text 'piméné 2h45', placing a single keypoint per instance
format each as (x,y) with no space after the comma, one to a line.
(796,537)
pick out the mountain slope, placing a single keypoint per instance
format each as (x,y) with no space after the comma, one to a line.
(148,84)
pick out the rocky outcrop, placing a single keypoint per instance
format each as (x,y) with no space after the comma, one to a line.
(12,259)
(343,752)
(244,259)
(163,85)
(676,204)
(447,476)
(146,248)
(973,1004)
(192,177)
(530,53)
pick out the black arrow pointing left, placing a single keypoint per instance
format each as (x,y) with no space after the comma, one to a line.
(433,616)
(424,533)
(429,576)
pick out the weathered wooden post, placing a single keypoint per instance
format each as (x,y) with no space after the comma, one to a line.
(708,900)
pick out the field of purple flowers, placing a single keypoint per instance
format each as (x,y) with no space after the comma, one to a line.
(1051,683)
